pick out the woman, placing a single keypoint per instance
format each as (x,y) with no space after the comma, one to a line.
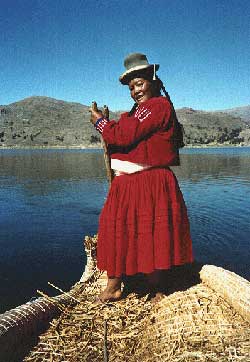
(143,227)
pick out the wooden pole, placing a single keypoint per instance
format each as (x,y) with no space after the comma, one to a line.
(110,174)
(105,346)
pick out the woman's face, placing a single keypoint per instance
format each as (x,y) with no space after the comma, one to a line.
(140,90)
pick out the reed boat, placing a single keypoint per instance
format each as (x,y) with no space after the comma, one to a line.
(203,316)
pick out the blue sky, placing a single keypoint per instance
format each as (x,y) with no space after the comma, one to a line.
(74,50)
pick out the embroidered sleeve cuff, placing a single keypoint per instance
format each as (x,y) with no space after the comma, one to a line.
(100,124)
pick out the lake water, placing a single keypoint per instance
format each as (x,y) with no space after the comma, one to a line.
(51,199)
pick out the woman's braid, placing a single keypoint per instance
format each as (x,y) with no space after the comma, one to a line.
(179,127)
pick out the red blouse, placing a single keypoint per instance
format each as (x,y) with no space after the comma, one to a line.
(147,137)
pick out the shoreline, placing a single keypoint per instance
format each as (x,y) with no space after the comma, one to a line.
(225,145)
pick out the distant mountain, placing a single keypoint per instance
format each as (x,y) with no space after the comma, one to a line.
(44,121)
(242,112)
(212,127)
(47,122)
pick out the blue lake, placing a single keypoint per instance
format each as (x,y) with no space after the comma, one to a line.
(51,199)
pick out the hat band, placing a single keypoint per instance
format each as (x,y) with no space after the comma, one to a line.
(124,76)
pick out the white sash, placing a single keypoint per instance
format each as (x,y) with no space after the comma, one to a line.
(126,167)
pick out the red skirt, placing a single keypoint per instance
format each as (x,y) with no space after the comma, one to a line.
(144,225)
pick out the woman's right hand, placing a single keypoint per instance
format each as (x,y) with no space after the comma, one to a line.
(95,113)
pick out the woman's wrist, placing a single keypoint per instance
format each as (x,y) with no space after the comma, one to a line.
(100,124)
(98,121)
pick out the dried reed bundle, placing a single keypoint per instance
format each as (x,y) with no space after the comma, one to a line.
(20,326)
(232,287)
(90,244)
(78,335)
(194,325)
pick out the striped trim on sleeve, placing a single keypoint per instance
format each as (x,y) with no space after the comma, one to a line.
(100,124)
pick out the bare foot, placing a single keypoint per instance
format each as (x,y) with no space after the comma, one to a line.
(158,296)
(110,296)
(112,292)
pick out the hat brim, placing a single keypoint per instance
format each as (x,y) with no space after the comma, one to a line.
(126,76)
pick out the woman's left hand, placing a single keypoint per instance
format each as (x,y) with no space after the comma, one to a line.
(95,113)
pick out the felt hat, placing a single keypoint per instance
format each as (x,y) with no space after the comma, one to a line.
(136,62)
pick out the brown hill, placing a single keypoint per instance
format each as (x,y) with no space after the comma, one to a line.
(47,122)
(211,127)
(242,112)
(44,121)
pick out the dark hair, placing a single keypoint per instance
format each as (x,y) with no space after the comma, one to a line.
(179,131)
(158,86)
(147,74)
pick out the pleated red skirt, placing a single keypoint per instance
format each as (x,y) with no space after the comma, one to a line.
(143,225)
